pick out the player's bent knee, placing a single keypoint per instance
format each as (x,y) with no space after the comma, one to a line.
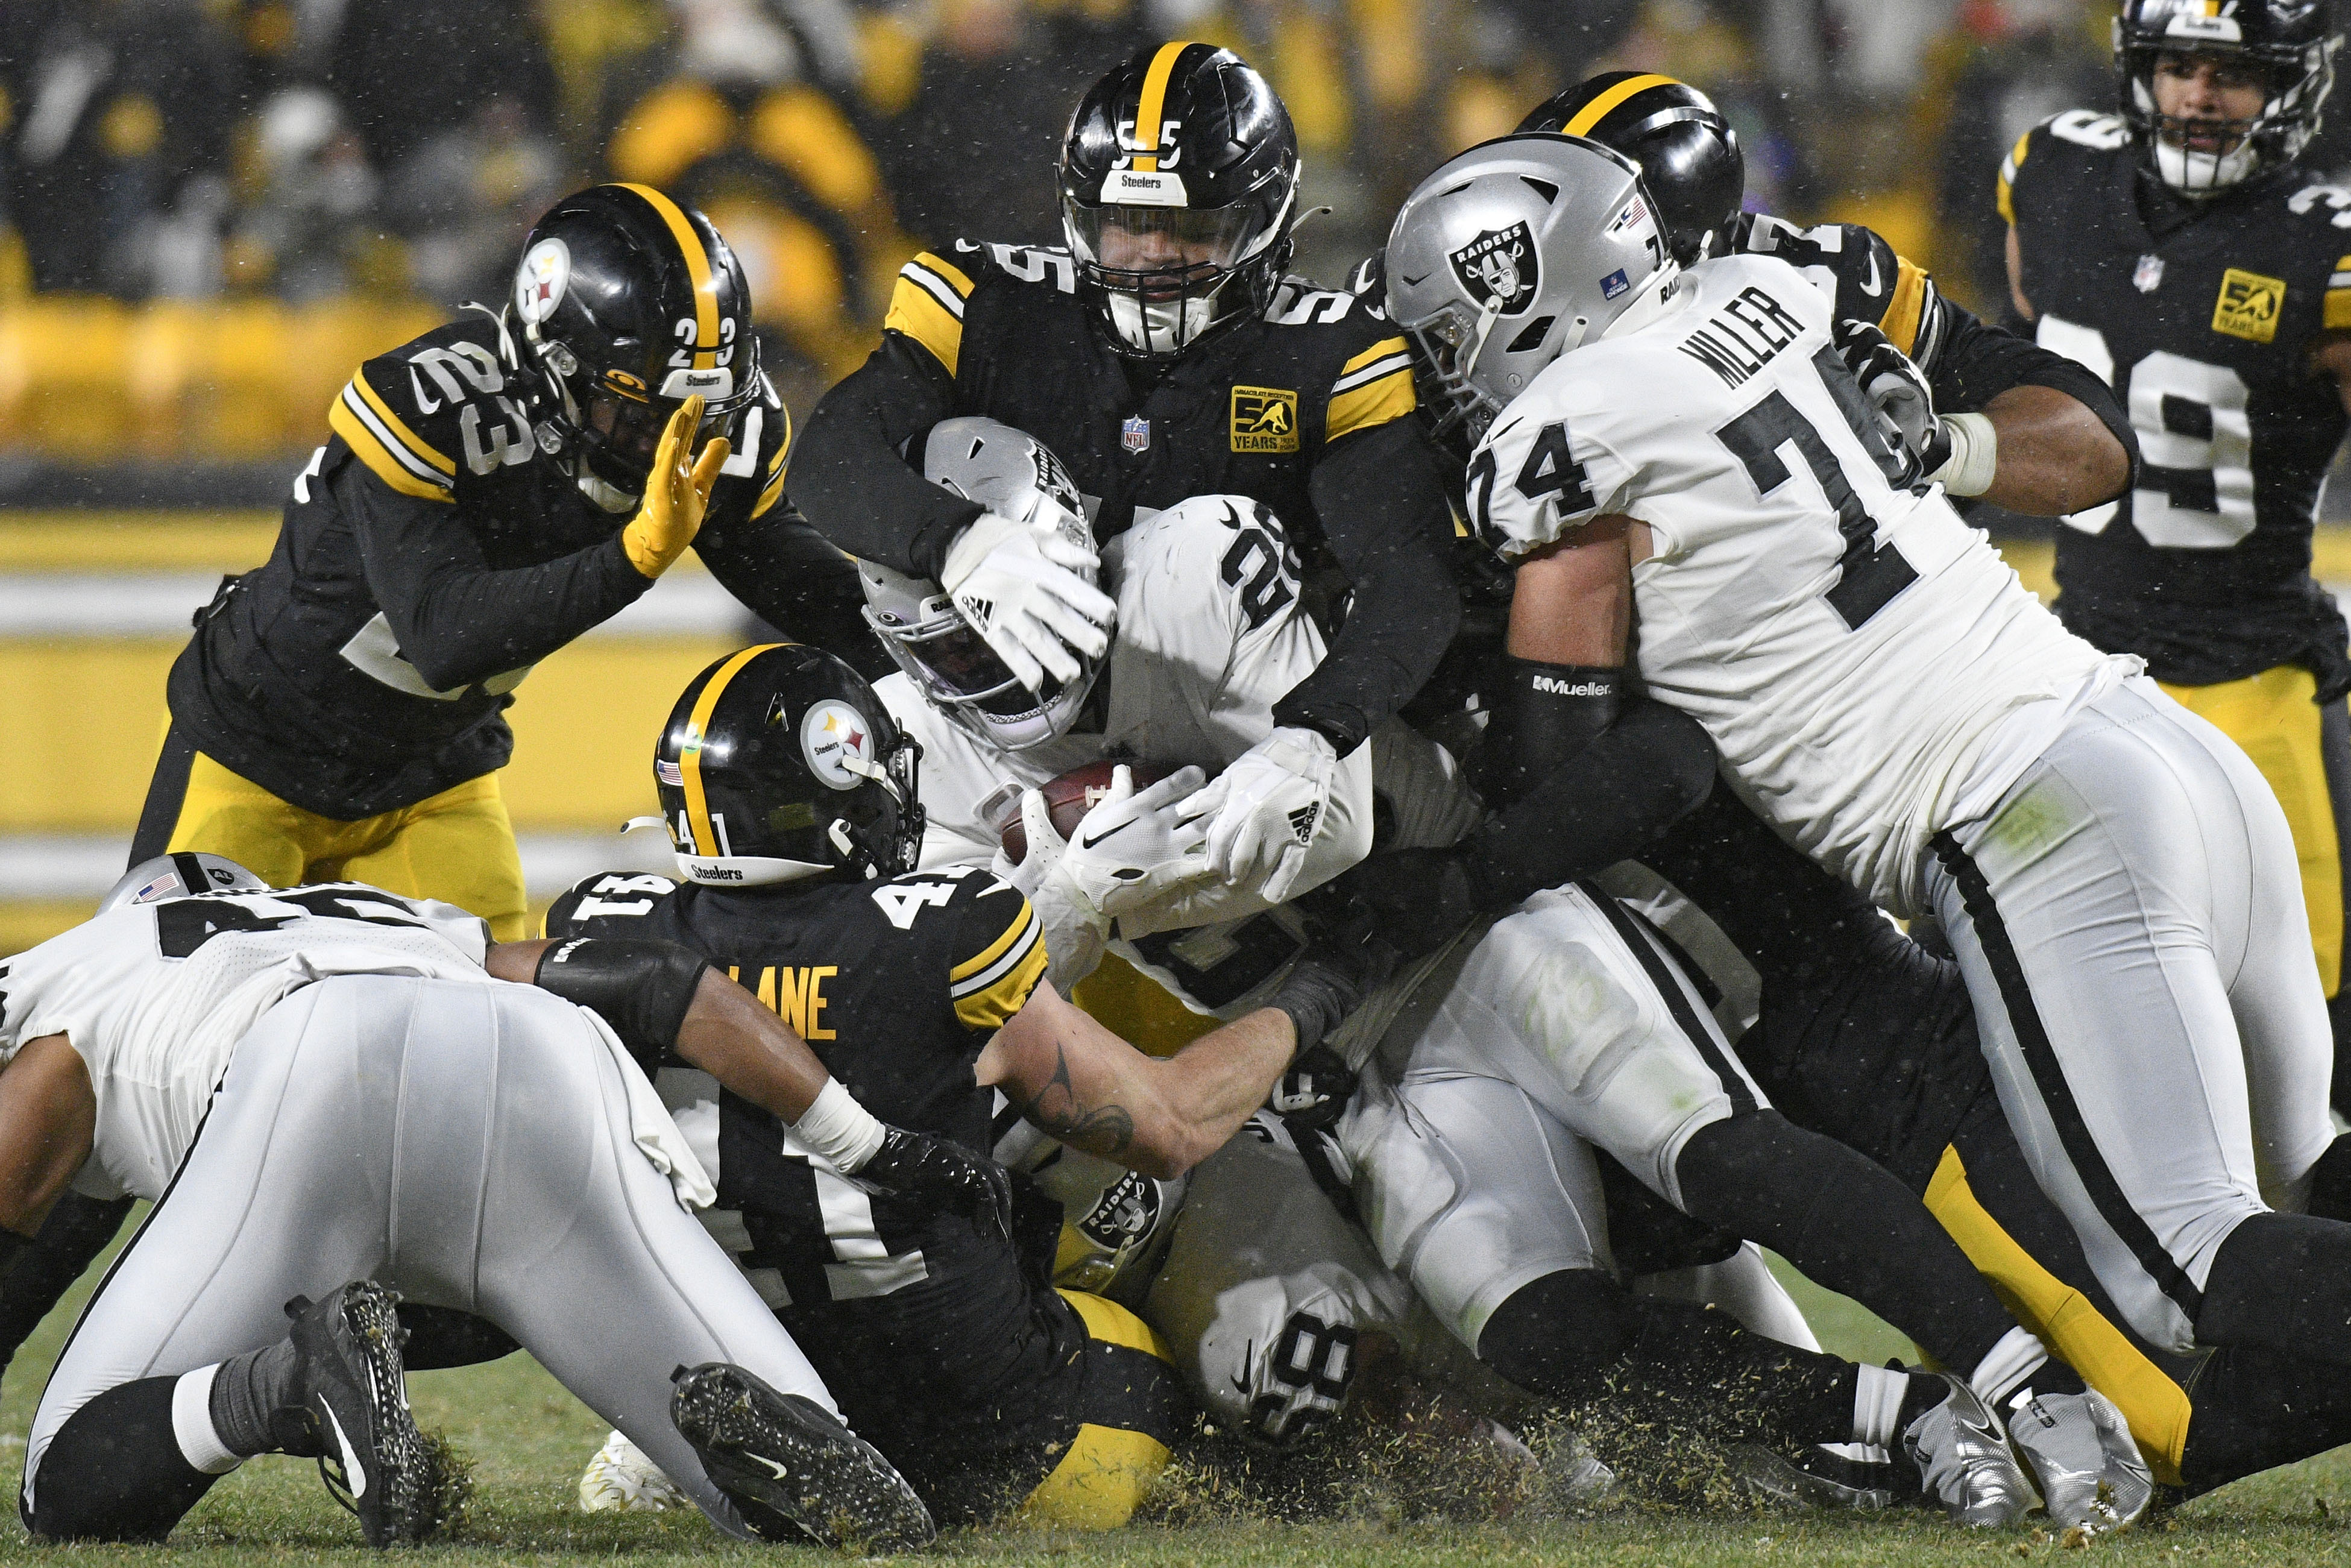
(1557,1336)
(114,1470)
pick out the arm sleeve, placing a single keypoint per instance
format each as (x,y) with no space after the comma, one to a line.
(454,618)
(1977,362)
(852,476)
(999,956)
(1651,767)
(788,575)
(1383,512)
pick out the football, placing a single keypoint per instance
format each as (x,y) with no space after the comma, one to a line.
(1069,797)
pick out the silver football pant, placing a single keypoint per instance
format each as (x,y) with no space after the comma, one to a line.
(467,1145)
(2130,922)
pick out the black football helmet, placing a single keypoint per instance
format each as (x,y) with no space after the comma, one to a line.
(629,304)
(1689,156)
(779,764)
(2288,44)
(1179,187)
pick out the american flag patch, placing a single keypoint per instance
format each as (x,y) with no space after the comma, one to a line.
(168,882)
(669,773)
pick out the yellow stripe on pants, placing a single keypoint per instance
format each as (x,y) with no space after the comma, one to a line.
(2272,717)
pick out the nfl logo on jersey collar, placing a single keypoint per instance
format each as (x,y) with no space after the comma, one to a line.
(1136,434)
(2148,276)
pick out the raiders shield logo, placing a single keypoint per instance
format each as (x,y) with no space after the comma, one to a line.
(1499,269)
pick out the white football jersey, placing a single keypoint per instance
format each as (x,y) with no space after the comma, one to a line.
(1850,646)
(155,996)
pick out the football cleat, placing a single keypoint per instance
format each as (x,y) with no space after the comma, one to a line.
(791,1466)
(2079,1448)
(1814,1479)
(1961,1452)
(371,1456)
(621,1479)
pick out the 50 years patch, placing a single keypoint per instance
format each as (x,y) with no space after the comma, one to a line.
(1265,418)
(2248,305)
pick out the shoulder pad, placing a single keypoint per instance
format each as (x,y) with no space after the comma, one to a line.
(907,898)
(607,903)
(2332,202)
(763,443)
(413,416)
(1023,263)
(2088,128)
(1299,303)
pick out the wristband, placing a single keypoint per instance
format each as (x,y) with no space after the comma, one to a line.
(1975,454)
(837,1128)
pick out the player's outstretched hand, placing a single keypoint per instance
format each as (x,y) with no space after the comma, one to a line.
(1137,845)
(1075,930)
(1897,390)
(937,1171)
(1316,1088)
(677,493)
(1263,812)
(1016,580)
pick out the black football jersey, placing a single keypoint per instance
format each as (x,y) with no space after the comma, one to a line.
(1866,277)
(1247,412)
(430,555)
(919,1328)
(2202,316)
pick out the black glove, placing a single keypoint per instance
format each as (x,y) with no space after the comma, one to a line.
(938,1171)
(1415,901)
(1316,1088)
(1897,389)
(1342,960)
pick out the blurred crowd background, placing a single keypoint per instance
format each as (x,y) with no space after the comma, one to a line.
(209,209)
(212,210)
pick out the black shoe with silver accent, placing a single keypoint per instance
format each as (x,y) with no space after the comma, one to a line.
(371,1456)
(795,1471)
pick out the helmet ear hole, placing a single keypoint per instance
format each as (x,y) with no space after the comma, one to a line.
(1531,338)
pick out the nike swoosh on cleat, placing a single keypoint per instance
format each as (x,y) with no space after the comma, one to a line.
(781,1474)
(354,1473)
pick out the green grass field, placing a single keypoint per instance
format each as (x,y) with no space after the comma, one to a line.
(528,1439)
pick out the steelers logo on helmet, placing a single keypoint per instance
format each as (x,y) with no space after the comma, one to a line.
(540,280)
(1499,269)
(838,742)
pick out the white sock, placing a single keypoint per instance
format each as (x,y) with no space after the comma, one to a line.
(192,1423)
(2008,1365)
(1878,1404)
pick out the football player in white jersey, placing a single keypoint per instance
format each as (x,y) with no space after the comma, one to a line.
(326,1093)
(1687,448)
(1209,633)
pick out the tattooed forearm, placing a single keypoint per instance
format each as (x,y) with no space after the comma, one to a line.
(1105,1130)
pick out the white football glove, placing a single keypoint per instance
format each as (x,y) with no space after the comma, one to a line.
(1075,930)
(1136,845)
(1016,580)
(1266,807)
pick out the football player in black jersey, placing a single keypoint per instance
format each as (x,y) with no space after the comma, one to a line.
(491,491)
(2181,250)
(790,797)
(1162,355)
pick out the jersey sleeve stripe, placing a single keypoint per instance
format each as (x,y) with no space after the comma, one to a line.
(1375,403)
(928,307)
(770,495)
(2338,309)
(1387,365)
(989,999)
(371,405)
(1900,322)
(980,963)
(350,417)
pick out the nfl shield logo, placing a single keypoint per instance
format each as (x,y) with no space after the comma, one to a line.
(1136,434)
(2148,277)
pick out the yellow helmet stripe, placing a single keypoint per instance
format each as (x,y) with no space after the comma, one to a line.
(698,267)
(1152,107)
(1599,109)
(689,757)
